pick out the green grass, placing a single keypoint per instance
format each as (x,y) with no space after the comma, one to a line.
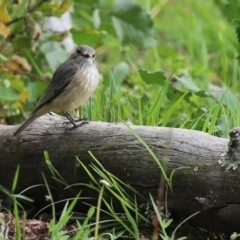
(195,40)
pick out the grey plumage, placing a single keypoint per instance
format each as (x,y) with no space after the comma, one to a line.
(72,84)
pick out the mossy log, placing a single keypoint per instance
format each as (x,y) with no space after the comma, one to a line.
(204,185)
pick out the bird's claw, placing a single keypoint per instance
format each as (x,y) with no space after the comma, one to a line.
(83,122)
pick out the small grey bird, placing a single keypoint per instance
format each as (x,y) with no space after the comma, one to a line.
(72,84)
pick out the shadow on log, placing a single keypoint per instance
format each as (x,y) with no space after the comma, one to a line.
(206,186)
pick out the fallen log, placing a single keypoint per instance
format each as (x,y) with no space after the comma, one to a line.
(204,186)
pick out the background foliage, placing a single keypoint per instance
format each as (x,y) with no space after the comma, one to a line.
(169,63)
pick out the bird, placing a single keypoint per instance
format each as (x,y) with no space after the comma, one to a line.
(73,82)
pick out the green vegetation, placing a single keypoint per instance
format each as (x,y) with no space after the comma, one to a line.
(163,63)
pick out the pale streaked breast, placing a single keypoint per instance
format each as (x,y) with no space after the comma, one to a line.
(79,89)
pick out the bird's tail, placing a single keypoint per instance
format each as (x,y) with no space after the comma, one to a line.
(25,124)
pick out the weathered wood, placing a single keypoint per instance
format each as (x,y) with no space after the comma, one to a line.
(205,186)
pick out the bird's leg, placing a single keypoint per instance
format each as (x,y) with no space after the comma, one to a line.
(82,121)
(72,119)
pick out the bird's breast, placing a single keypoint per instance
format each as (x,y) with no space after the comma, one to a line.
(81,87)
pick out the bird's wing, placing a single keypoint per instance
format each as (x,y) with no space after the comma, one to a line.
(61,78)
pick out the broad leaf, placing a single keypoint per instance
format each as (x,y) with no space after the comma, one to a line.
(232,10)
(96,18)
(21,42)
(54,54)
(188,83)
(8,95)
(132,23)
(120,72)
(154,78)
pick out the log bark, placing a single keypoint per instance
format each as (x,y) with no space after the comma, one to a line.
(205,186)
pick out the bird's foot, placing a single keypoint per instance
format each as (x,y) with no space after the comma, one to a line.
(77,120)
(81,122)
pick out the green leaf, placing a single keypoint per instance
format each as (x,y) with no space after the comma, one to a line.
(120,72)
(132,23)
(96,18)
(232,10)
(202,93)
(152,78)
(36,89)
(8,95)
(87,2)
(3,58)
(229,99)
(54,54)
(51,9)
(91,211)
(22,42)
(174,94)
(92,37)
(188,83)
(20,9)
(54,8)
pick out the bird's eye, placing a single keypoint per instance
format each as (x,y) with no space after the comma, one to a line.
(78,51)
(93,55)
(86,55)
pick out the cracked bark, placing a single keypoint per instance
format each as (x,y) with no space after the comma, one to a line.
(205,186)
